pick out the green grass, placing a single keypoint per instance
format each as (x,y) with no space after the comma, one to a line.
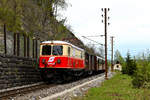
(117,88)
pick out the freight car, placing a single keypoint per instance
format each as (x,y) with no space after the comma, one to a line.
(63,60)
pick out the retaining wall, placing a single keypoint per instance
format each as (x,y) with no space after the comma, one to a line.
(17,71)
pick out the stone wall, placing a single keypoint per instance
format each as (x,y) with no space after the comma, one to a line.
(17,71)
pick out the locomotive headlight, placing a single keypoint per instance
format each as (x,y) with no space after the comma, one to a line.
(58,61)
(43,61)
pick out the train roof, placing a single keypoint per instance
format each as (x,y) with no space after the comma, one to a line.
(62,42)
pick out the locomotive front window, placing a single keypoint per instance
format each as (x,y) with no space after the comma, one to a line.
(57,50)
(46,50)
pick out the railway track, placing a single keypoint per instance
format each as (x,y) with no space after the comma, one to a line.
(42,90)
(8,94)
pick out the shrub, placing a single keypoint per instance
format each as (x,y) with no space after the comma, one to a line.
(141,77)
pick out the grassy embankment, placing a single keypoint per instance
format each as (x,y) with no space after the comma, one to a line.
(117,88)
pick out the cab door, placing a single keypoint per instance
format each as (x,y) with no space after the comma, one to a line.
(73,57)
(69,56)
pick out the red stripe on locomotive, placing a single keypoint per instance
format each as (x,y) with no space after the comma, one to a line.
(61,62)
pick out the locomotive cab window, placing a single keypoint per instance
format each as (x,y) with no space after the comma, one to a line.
(57,50)
(46,50)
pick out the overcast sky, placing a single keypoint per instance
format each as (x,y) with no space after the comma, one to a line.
(129,22)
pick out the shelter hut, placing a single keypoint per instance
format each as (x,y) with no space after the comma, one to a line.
(118,66)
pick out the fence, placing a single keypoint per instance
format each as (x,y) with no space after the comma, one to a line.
(19,44)
(18,59)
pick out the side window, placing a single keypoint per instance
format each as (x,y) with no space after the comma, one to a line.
(74,52)
(68,51)
(98,62)
(81,54)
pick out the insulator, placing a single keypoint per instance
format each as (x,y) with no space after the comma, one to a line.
(102,21)
(102,9)
(108,9)
(108,23)
(102,15)
(33,37)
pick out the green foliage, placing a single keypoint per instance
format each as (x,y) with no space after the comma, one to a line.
(141,78)
(118,57)
(33,17)
(130,65)
(36,18)
(10,14)
(119,87)
(148,58)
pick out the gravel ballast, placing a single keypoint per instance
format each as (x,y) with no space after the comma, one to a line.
(65,91)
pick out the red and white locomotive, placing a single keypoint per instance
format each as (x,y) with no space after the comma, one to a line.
(58,58)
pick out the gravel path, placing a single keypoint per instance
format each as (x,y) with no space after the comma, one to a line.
(64,91)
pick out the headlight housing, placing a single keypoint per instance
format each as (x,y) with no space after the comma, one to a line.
(43,61)
(58,61)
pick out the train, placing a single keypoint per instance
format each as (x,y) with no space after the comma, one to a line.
(62,60)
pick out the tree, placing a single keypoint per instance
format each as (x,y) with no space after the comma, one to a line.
(30,16)
(10,14)
(130,65)
(48,21)
(118,57)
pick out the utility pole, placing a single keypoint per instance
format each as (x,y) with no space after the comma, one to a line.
(106,69)
(18,44)
(28,46)
(112,64)
(36,49)
(33,45)
(15,36)
(25,45)
(105,31)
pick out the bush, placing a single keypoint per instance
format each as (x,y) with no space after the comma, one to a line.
(141,77)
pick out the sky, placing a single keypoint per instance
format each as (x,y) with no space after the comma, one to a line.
(129,23)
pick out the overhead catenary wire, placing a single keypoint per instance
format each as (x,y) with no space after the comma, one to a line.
(96,36)
(93,41)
